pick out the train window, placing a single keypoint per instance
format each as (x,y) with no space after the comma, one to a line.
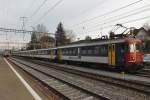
(74,51)
(89,52)
(132,47)
(42,52)
(70,51)
(96,50)
(104,50)
(86,51)
(83,52)
(48,51)
(45,52)
(66,52)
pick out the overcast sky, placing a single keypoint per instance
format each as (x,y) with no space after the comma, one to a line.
(74,14)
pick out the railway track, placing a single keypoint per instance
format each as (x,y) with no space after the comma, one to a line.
(139,86)
(64,89)
(144,73)
(85,83)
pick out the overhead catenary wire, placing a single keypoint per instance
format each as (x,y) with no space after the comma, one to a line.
(130,21)
(49,10)
(39,7)
(108,13)
(123,17)
(123,14)
(98,4)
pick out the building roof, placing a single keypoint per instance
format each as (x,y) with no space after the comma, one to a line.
(136,31)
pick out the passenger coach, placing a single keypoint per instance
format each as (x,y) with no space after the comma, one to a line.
(123,53)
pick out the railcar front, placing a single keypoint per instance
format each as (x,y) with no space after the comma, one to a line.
(134,55)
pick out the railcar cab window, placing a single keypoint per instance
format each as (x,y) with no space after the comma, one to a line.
(133,48)
(138,48)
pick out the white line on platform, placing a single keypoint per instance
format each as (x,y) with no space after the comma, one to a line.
(33,93)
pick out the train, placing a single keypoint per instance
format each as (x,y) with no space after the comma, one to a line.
(121,53)
(6,53)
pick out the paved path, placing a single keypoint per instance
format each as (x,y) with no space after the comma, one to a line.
(11,88)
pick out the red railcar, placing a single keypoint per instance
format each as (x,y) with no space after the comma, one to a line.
(133,55)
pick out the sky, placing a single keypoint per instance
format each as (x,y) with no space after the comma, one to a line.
(83,17)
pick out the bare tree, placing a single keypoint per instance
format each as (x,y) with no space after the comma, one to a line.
(41,30)
(39,38)
(70,35)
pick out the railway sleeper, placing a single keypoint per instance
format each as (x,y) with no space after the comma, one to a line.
(41,77)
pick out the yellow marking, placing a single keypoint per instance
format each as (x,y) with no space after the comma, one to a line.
(59,54)
(109,54)
(51,54)
(113,55)
(123,75)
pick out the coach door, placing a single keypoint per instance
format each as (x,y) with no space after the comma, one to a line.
(111,54)
(59,54)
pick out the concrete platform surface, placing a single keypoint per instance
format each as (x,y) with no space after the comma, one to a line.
(11,88)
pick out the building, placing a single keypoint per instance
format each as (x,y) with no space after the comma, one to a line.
(144,35)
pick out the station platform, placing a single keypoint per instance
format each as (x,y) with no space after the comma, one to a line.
(11,87)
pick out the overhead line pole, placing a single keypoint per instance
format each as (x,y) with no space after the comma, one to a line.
(23,24)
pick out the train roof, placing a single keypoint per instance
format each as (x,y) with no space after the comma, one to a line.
(97,42)
(88,43)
